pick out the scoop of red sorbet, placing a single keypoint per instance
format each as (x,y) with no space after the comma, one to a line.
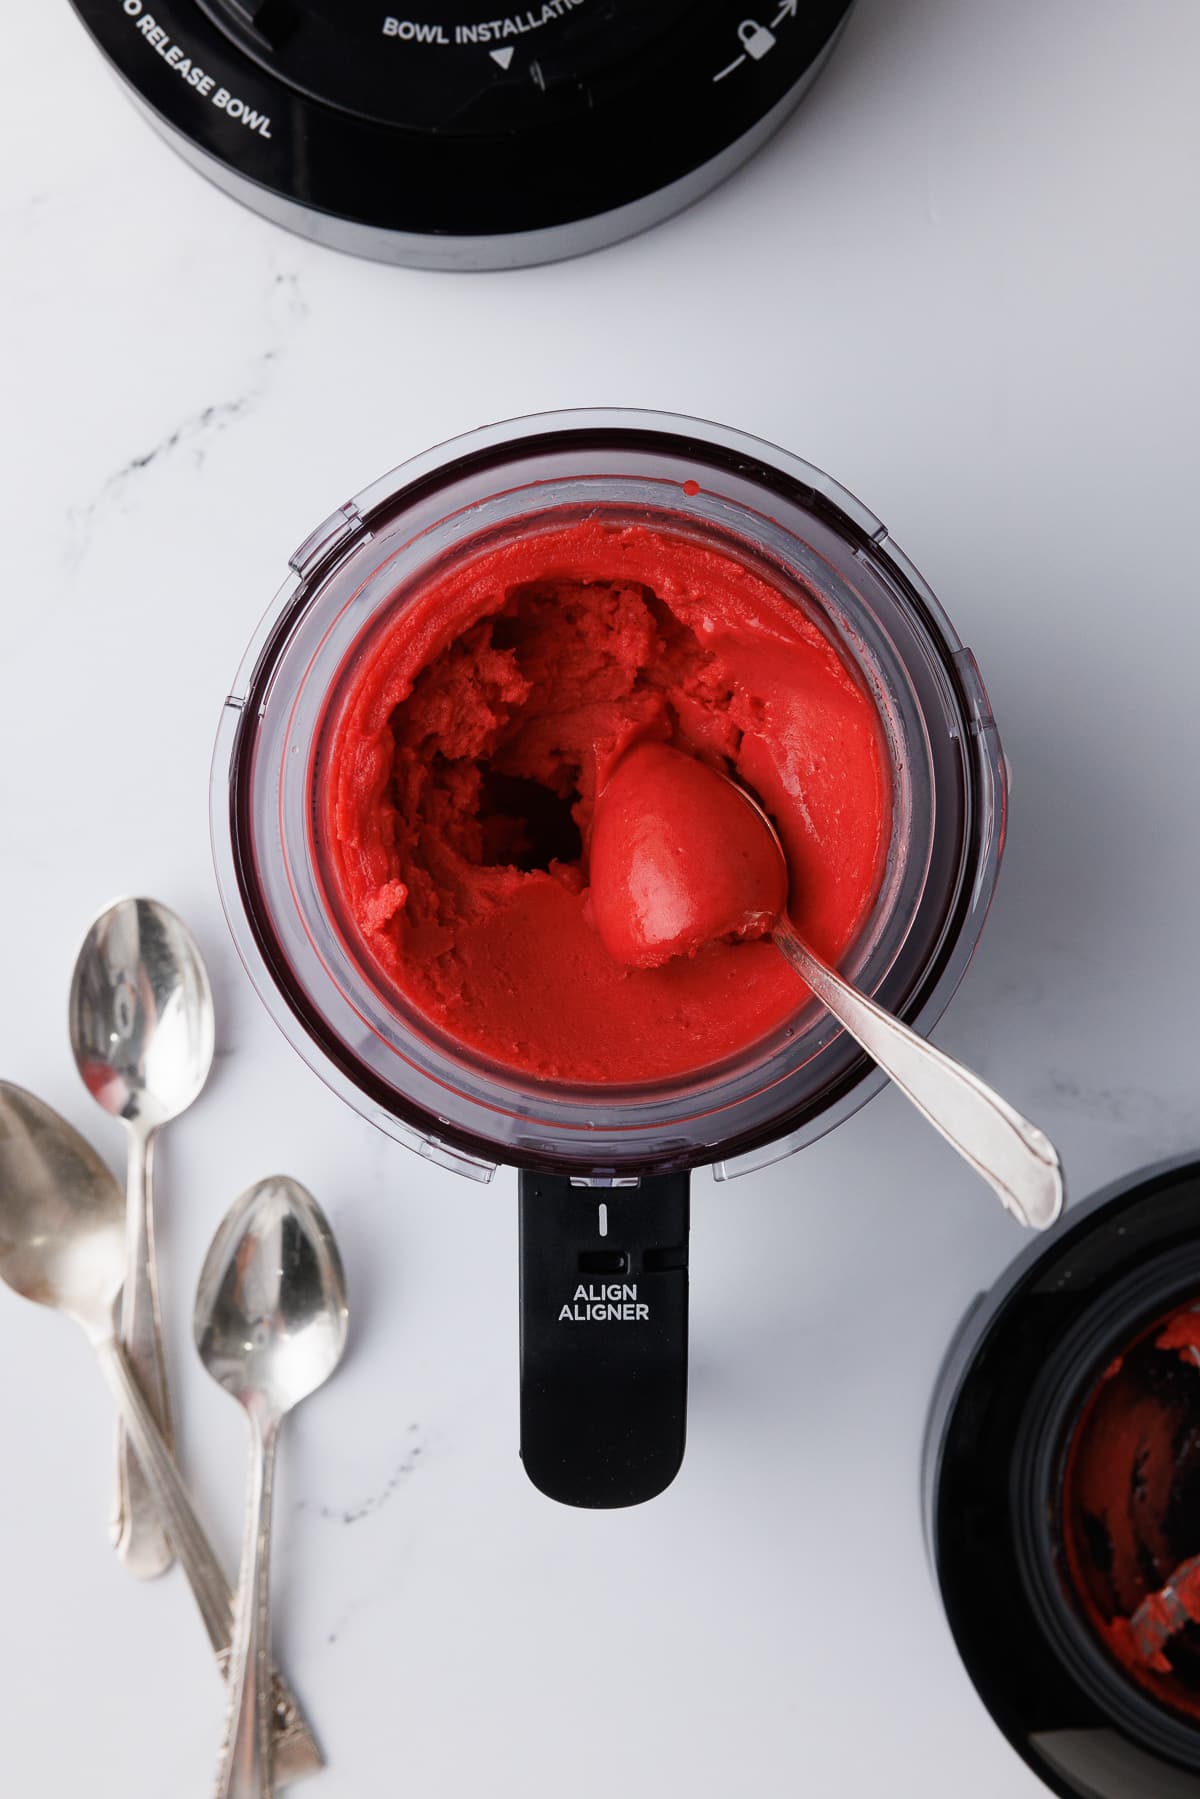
(680,858)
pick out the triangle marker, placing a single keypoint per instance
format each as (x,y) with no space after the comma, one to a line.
(503,57)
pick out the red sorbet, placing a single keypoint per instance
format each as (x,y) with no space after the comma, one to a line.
(679,858)
(470,739)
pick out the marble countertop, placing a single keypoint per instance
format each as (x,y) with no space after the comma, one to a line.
(965,280)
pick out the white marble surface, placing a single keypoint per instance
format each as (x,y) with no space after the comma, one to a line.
(965,280)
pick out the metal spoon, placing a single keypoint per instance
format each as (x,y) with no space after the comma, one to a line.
(270,1327)
(62,1232)
(1015,1158)
(141,1019)
(682,856)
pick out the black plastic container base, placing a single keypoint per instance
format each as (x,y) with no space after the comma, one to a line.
(604,1315)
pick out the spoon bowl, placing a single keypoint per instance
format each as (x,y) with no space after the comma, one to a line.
(271,1312)
(62,1214)
(680,857)
(141,1013)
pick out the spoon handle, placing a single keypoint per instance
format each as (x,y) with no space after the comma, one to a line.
(295,1751)
(138,1533)
(246,1770)
(1013,1156)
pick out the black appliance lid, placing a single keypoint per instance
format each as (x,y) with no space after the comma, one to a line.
(456,120)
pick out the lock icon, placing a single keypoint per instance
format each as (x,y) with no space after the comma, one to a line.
(756,38)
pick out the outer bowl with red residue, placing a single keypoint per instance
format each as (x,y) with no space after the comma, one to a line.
(1062,1495)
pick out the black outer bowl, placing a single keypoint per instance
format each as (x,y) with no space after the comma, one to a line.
(1024,1361)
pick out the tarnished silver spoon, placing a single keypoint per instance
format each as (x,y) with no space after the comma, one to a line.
(62,1236)
(141,1019)
(270,1324)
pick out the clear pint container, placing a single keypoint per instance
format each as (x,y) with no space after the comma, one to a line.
(817,546)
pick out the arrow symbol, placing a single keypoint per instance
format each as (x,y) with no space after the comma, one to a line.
(786,11)
(503,57)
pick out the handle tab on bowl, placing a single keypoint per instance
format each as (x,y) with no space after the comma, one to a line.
(604,1309)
